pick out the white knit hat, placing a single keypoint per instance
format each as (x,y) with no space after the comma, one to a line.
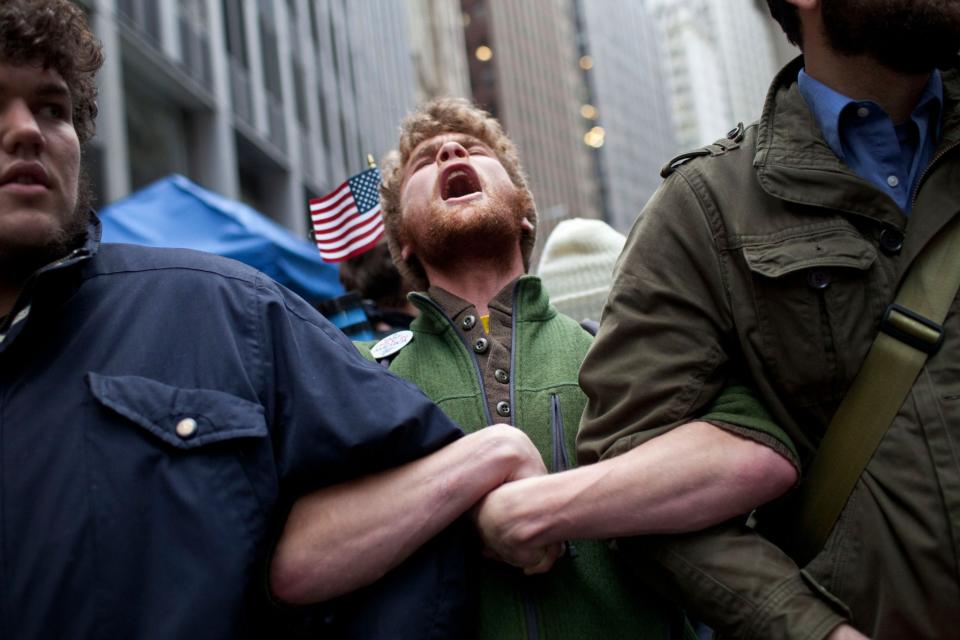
(577,266)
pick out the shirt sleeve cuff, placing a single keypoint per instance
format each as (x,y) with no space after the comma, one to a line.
(796,610)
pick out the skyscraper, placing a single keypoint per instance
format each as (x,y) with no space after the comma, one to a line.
(439,52)
(523,62)
(628,98)
(719,59)
(268,101)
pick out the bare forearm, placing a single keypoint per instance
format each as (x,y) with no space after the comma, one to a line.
(344,537)
(689,478)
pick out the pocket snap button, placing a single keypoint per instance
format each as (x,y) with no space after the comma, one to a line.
(818,279)
(186,428)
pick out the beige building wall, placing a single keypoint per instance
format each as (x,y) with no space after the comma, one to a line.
(438,49)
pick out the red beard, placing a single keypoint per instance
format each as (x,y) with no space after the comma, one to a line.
(484,231)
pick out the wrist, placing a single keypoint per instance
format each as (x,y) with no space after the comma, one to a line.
(526,516)
(506,449)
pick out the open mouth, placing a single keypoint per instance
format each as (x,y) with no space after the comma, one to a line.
(458,182)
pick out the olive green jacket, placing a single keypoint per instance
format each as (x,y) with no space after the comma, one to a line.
(587,594)
(766,259)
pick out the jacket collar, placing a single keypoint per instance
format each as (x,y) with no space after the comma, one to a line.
(530,304)
(90,247)
(794,163)
(19,315)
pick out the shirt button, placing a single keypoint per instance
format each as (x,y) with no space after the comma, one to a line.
(468,322)
(186,428)
(503,408)
(863,112)
(502,376)
(481,345)
(893,181)
(891,241)
(818,279)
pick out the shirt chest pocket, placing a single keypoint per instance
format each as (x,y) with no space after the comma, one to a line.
(811,292)
(182,418)
(181,487)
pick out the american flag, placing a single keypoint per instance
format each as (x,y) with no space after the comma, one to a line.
(347,222)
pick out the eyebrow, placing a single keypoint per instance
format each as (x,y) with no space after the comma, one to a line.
(45,90)
(52,89)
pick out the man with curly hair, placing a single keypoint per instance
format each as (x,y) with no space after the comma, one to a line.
(489,347)
(161,409)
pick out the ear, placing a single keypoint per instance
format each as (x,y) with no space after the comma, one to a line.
(405,251)
(526,225)
(805,5)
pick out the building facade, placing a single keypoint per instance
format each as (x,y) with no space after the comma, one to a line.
(719,59)
(268,101)
(438,49)
(629,100)
(523,60)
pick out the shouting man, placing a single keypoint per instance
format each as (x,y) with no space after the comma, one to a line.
(489,347)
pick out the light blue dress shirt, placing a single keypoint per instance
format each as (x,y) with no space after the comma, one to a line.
(863,136)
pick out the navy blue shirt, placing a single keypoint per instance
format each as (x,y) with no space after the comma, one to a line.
(159,410)
(891,157)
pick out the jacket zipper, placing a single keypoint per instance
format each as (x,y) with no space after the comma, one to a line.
(560,461)
(530,615)
(936,158)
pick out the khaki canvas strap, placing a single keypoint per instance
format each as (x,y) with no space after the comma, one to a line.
(909,333)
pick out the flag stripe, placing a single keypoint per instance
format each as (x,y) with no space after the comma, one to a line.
(323,225)
(359,241)
(359,246)
(361,249)
(349,236)
(334,209)
(322,235)
(326,201)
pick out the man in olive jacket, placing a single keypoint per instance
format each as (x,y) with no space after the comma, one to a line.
(770,257)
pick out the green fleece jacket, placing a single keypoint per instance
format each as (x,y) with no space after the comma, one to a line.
(587,594)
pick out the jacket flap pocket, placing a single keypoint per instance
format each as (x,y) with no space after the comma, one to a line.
(184,418)
(832,247)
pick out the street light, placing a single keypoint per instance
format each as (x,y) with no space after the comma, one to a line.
(595,137)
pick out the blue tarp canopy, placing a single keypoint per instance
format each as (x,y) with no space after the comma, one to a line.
(175,212)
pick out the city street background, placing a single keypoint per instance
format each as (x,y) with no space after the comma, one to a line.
(274,102)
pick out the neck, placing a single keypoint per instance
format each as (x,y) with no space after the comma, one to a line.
(478,281)
(863,78)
